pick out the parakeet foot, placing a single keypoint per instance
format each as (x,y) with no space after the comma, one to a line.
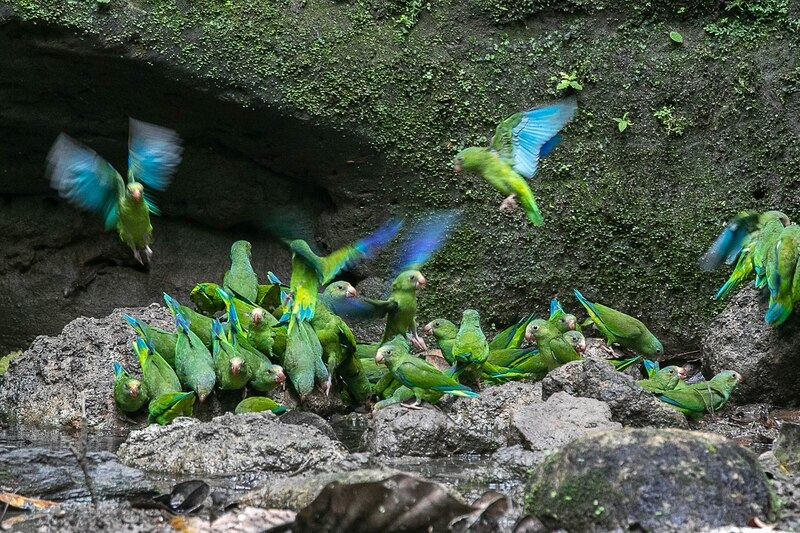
(419,343)
(509,204)
(609,350)
(413,406)
(148,253)
(326,386)
(138,257)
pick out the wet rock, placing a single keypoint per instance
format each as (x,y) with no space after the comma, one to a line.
(108,516)
(230,444)
(739,339)
(787,447)
(299,491)
(787,489)
(44,385)
(630,404)
(749,425)
(559,420)
(397,431)
(650,480)
(517,460)
(55,475)
(305,418)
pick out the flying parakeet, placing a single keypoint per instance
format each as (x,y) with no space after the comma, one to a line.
(89,182)
(704,397)
(470,349)
(168,407)
(193,362)
(622,329)
(737,233)
(417,374)
(129,392)
(513,155)
(162,341)
(257,404)
(241,279)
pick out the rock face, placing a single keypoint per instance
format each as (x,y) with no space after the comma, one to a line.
(651,480)
(55,475)
(559,420)
(44,385)
(230,444)
(739,339)
(630,404)
(465,425)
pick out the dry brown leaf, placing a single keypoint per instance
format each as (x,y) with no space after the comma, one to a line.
(26,504)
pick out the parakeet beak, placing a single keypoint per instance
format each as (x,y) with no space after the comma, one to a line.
(739,377)
(457,167)
(134,388)
(581,347)
(428,328)
(281,377)
(572,324)
(256,316)
(202,397)
(529,336)
(236,366)
(136,194)
(351,292)
(682,373)
(379,357)
(421,281)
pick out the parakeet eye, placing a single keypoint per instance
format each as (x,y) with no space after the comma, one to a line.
(412,277)
(535,328)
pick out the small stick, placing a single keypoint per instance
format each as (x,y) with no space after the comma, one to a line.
(685,353)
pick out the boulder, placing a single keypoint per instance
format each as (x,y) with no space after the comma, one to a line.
(45,384)
(630,404)
(253,443)
(649,480)
(739,339)
(396,431)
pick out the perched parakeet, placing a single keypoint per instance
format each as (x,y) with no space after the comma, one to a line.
(444,331)
(199,324)
(303,360)
(231,370)
(568,346)
(170,406)
(89,182)
(129,393)
(417,374)
(193,362)
(662,380)
(261,332)
(513,335)
(622,329)
(541,332)
(241,280)
(470,348)
(162,341)
(403,394)
(513,155)
(783,276)
(205,298)
(257,404)
(561,319)
(157,374)
(737,233)
(704,397)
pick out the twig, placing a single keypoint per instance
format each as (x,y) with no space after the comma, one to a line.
(80,451)
(685,353)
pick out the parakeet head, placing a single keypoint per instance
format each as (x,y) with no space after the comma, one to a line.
(441,328)
(278,374)
(726,381)
(135,191)
(672,374)
(536,329)
(241,249)
(469,159)
(341,289)
(384,353)
(577,340)
(237,363)
(132,386)
(471,318)
(567,322)
(774,215)
(409,280)
(654,348)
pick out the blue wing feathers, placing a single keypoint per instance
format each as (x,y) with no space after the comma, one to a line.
(536,134)
(154,153)
(424,238)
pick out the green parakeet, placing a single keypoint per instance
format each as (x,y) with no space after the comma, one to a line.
(231,370)
(258,404)
(241,280)
(561,319)
(622,329)
(417,374)
(568,346)
(199,324)
(737,233)
(444,331)
(170,406)
(157,374)
(470,348)
(513,155)
(513,335)
(162,341)
(662,380)
(261,332)
(697,399)
(193,362)
(129,393)
(783,276)
(205,298)
(89,182)
(403,394)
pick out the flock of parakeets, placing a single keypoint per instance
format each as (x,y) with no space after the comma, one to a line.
(247,335)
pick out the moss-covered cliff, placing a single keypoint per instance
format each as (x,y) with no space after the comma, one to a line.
(714,124)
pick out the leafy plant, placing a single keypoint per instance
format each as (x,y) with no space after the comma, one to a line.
(674,123)
(623,122)
(410,15)
(568,81)
(676,37)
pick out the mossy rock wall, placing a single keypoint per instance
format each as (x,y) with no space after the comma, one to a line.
(714,125)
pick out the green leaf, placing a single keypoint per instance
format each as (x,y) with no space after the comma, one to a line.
(676,37)
(622,125)
(575,85)
(563,84)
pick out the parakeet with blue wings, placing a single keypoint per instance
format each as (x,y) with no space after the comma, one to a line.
(513,155)
(89,182)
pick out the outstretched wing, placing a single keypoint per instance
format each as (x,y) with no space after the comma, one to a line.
(730,242)
(84,178)
(424,238)
(154,153)
(524,138)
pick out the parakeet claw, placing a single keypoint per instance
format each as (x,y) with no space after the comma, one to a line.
(419,343)
(609,350)
(138,257)
(327,386)
(148,253)
(413,406)
(509,204)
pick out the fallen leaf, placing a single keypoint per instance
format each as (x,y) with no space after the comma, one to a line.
(26,504)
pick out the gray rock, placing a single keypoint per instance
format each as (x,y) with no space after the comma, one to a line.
(305,418)
(45,384)
(651,480)
(299,491)
(739,339)
(630,404)
(517,460)
(112,516)
(559,420)
(787,488)
(787,446)
(55,475)
(397,431)
(230,444)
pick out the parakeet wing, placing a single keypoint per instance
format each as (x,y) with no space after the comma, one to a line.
(730,241)
(424,238)
(651,367)
(524,137)
(84,178)
(361,308)
(414,372)
(154,153)
(686,398)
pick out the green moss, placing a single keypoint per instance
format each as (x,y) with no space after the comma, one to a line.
(5,360)
(626,216)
